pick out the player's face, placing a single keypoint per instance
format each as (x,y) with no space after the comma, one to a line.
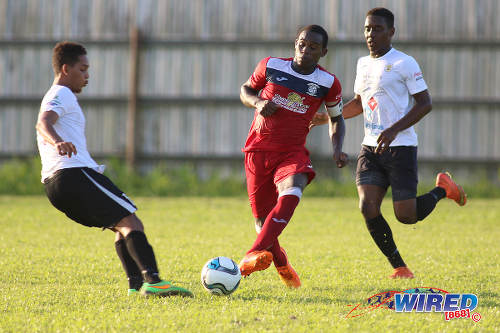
(308,49)
(78,74)
(378,35)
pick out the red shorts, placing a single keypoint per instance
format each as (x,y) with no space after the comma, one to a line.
(265,169)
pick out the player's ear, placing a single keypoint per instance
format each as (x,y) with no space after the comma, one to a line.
(392,31)
(324,52)
(64,69)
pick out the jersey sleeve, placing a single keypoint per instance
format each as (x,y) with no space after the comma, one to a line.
(258,78)
(413,77)
(357,80)
(333,100)
(56,102)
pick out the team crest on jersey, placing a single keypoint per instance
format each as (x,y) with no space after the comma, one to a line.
(388,67)
(312,89)
(293,102)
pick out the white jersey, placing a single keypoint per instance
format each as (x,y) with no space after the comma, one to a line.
(71,128)
(386,86)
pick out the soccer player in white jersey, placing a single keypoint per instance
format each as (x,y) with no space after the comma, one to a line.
(74,183)
(391,93)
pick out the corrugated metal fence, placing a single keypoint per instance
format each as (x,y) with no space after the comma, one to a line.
(194,55)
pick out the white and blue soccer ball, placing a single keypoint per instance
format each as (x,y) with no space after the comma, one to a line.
(220,276)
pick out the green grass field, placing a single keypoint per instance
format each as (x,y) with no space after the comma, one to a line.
(59,276)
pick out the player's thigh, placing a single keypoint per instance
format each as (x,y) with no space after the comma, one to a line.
(294,170)
(403,173)
(371,179)
(262,192)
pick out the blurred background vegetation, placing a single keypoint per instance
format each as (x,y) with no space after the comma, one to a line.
(22,177)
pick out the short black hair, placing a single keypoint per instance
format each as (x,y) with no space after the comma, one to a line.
(385,13)
(314,28)
(66,53)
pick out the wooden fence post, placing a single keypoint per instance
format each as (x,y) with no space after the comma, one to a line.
(130,146)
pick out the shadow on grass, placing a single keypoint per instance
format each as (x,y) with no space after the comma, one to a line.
(327,296)
(491,301)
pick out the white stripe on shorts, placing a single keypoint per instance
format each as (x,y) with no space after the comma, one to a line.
(116,198)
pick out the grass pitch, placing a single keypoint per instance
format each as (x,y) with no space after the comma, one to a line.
(59,276)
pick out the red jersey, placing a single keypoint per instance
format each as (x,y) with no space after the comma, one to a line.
(298,97)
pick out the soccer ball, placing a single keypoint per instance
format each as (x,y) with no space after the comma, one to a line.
(220,276)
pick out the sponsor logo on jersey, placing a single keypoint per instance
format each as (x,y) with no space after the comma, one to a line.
(293,102)
(388,67)
(312,89)
(372,103)
(374,128)
(370,113)
(281,78)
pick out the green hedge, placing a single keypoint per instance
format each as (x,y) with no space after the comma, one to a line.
(22,177)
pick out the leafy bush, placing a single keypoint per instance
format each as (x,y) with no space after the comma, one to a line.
(22,177)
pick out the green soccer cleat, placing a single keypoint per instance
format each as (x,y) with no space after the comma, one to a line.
(164,288)
(133,291)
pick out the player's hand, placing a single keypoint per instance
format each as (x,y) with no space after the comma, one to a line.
(266,107)
(65,148)
(340,158)
(319,118)
(384,140)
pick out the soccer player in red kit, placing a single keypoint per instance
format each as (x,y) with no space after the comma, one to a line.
(286,94)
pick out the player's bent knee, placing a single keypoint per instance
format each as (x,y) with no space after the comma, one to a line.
(129,223)
(369,209)
(407,219)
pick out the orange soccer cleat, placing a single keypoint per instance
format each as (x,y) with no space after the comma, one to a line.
(453,190)
(255,261)
(402,273)
(287,274)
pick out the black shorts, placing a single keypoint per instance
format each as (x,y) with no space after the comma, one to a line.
(88,197)
(396,167)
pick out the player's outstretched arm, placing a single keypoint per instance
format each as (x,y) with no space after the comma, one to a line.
(353,108)
(45,126)
(250,97)
(337,133)
(423,106)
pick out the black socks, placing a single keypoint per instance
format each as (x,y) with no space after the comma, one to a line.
(427,202)
(131,269)
(142,253)
(382,235)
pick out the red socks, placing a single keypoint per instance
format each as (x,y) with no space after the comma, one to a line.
(279,257)
(275,222)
